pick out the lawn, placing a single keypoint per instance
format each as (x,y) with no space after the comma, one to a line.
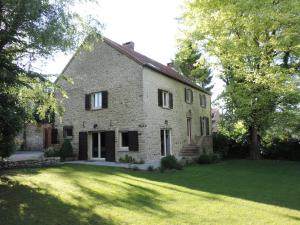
(231,192)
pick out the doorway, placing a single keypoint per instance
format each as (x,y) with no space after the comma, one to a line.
(189,130)
(96,145)
(165,140)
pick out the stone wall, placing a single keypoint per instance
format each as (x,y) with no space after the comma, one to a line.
(34,137)
(29,163)
(132,102)
(104,69)
(174,119)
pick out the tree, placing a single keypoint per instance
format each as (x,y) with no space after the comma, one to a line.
(31,30)
(189,62)
(257,43)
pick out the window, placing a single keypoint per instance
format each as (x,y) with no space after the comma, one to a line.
(207,125)
(129,140)
(165,99)
(204,126)
(68,131)
(188,96)
(124,139)
(54,136)
(202,100)
(201,126)
(98,100)
(165,140)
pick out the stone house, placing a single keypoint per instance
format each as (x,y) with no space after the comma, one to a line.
(124,103)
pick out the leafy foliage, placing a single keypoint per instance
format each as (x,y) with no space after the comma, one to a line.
(189,62)
(66,150)
(257,44)
(130,159)
(170,162)
(31,30)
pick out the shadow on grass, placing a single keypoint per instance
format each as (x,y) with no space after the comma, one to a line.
(20,204)
(40,203)
(269,182)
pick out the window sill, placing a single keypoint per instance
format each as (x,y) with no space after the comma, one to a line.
(96,109)
(68,137)
(123,149)
(165,107)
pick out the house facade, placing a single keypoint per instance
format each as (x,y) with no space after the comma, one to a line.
(124,103)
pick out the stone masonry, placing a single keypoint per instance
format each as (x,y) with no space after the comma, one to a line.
(132,103)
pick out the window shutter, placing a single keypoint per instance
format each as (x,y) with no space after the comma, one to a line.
(87,102)
(54,136)
(133,141)
(191,95)
(83,146)
(204,101)
(200,99)
(104,99)
(159,97)
(207,125)
(201,126)
(185,94)
(171,100)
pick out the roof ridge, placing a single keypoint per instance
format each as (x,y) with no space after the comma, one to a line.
(153,64)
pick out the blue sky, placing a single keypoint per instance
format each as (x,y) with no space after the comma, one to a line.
(151,25)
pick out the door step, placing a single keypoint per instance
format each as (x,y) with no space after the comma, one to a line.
(190,151)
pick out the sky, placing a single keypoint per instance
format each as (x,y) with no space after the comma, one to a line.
(151,25)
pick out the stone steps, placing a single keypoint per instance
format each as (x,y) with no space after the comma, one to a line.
(190,150)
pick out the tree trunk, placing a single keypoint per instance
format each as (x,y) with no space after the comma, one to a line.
(254,151)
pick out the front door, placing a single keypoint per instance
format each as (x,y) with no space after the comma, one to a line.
(189,130)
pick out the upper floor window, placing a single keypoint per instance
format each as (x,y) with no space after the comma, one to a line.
(188,96)
(165,99)
(97,100)
(202,100)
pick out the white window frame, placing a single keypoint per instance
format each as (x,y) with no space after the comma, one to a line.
(165,143)
(123,148)
(165,99)
(99,147)
(96,100)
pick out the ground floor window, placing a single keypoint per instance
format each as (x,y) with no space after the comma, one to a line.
(124,140)
(165,139)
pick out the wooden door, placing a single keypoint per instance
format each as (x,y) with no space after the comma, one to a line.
(110,145)
(83,146)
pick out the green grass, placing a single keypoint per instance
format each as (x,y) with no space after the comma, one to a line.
(231,192)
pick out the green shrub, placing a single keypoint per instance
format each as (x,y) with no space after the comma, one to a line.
(66,150)
(150,168)
(209,158)
(170,162)
(130,159)
(51,152)
(282,149)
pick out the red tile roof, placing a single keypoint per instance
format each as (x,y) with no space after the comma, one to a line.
(152,64)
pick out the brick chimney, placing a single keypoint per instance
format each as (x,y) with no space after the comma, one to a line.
(170,64)
(129,44)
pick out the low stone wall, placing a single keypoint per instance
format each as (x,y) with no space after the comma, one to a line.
(29,163)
